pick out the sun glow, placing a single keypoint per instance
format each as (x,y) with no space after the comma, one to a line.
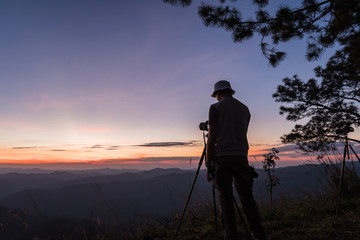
(169,154)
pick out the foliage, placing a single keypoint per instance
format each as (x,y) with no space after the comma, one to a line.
(332,171)
(312,217)
(327,106)
(323,23)
(268,165)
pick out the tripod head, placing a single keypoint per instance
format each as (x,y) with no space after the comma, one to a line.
(204,126)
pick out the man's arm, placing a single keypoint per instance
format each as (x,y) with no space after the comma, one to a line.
(210,151)
(210,147)
(212,136)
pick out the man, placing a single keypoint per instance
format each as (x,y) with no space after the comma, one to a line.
(226,160)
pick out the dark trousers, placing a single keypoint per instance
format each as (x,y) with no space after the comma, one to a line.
(229,169)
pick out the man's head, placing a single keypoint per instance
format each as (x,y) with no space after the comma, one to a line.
(222,88)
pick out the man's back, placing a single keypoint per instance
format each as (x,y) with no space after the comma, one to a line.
(232,118)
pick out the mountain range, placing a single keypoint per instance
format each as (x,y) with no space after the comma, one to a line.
(123,196)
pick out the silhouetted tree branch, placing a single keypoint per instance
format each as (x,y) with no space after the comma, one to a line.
(323,23)
(328,106)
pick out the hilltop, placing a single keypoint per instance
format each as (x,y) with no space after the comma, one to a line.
(147,204)
(310,218)
(306,219)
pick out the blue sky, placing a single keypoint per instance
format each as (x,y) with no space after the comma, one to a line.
(93,80)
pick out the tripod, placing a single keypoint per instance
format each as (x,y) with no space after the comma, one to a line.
(346,154)
(203,156)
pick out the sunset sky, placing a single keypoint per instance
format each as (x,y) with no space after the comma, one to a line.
(126,83)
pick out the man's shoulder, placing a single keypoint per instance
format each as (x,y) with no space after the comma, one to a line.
(241,104)
(215,104)
(229,102)
(241,107)
(233,100)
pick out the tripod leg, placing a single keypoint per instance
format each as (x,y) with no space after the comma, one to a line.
(354,153)
(215,212)
(346,151)
(242,218)
(191,189)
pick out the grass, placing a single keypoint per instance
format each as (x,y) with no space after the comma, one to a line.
(304,219)
(312,217)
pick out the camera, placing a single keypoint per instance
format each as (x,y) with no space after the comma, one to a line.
(204,126)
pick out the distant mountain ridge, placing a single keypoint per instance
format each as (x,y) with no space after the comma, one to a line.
(4,170)
(155,197)
(156,193)
(14,182)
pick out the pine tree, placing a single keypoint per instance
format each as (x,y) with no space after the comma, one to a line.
(322,23)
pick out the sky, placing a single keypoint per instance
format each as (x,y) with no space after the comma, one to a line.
(126,83)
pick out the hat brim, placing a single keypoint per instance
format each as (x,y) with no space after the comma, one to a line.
(214,93)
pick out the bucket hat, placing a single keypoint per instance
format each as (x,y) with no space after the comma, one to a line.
(222,85)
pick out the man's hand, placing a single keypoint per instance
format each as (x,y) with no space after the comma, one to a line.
(209,171)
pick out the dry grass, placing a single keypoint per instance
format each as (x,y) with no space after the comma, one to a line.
(309,218)
(305,219)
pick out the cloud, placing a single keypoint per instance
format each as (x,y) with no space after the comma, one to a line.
(161,159)
(147,160)
(259,144)
(168,144)
(99,146)
(58,150)
(284,148)
(105,147)
(23,147)
(96,146)
(288,151)
(292,151)
(294,148)
(113,147)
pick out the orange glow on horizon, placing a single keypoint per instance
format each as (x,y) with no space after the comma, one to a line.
(119,156)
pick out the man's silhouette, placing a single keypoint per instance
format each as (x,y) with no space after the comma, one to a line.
(226,160)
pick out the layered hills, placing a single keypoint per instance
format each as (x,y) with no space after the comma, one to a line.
(123,196)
